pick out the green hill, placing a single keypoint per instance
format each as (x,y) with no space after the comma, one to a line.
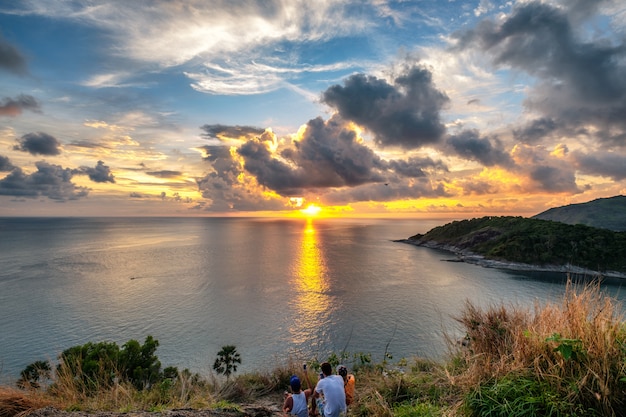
(531,241)
(605,213)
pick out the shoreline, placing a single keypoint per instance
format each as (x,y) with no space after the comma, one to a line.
(464,255)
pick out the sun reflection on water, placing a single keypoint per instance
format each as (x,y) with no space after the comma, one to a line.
(310,284)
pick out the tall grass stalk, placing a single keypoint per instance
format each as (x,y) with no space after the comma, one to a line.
(576,347)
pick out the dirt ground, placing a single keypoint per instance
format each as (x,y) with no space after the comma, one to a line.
(259,409)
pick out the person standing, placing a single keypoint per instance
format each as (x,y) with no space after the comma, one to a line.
(296,403)
(331,387)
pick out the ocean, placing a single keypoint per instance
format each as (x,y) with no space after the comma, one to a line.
(276,289)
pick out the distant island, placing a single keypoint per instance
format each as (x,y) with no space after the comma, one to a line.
(520,243)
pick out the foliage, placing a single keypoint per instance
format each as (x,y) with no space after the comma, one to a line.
(227,360)
(417,410)
(573,351)
(139,364)
(100,365)
(534,241)
(520,396)
(31,376)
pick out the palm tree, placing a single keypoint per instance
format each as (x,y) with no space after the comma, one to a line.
(227,360)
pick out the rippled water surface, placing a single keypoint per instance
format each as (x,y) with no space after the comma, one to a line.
(272,288)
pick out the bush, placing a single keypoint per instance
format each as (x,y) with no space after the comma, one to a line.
(575,351)
(95,366)
(521,396)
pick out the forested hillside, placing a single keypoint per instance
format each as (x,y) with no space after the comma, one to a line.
(605,213)
(533,241)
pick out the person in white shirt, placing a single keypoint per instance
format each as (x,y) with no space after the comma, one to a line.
(331,387)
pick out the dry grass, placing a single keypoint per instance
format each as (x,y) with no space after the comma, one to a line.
(14,403)
(577,347)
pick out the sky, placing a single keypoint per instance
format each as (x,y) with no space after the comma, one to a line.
(382,108)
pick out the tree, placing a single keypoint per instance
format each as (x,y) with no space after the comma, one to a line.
(33,373)
(97,365)
(139,364)
(226,361)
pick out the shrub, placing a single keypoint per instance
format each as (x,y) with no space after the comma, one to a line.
(574,350)
(521,396)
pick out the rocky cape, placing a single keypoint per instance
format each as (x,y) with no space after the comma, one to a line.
(467,256)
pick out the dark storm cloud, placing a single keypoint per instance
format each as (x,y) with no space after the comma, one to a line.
(5,164)
(416,167)
(554,179)
(222,188)
(404,114)
(15,106)
(99,173)
(219,131)
(328,155)
(88,145)
(212,153)
(605,164)
(38,144)
(400,190)
(477,187)
(165,174)
(51,181)
(580,81)
(225,194)
(489,152)
(535,131)
(10,58)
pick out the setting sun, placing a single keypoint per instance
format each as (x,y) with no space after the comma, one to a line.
(311,210)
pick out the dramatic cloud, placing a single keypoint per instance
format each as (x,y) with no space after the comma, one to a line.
(38,144)
(5,164)
(404,114)
(580,81)
(165,174)
(14,107)
(605,164)
(327,155)
(489,152)
(10,58)
(544,171)
(553,179)
(327,159)
(52,181)
(416,167)
(224,132)
(99,173)
(213,153)
(535,131)
(416,189)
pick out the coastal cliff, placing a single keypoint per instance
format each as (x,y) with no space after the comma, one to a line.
(524,244)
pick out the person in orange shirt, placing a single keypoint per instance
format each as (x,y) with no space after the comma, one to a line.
(349,383)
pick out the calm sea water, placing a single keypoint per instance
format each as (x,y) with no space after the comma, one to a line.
(272,288)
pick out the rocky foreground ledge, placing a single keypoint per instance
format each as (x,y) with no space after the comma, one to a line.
(464,255)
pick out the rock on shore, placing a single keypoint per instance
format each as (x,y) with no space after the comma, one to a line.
(463,255)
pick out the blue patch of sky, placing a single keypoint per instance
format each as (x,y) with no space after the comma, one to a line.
(55,50)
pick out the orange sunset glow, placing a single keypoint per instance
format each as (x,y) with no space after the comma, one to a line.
(175,111)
